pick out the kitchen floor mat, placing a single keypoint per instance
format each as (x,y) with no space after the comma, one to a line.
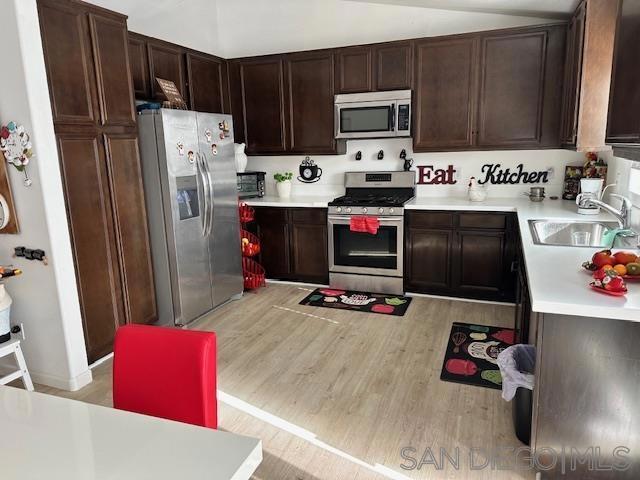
(471,354)
(358,301)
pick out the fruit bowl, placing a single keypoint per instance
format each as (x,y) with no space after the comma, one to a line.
(625,264)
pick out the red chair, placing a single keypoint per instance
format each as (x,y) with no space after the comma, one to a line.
(167,373)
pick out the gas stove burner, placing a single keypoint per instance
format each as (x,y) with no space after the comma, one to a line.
(372,199)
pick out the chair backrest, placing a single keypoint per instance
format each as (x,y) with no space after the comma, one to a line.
(166,372)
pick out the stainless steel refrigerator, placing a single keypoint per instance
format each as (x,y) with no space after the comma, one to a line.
(191,194)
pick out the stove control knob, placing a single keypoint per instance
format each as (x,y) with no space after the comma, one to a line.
(364,210)
(391,210)
(381,210)
(339,209)
(348,210)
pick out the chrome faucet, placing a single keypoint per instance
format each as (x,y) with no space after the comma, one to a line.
(623,216)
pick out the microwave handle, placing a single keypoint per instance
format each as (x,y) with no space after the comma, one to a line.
(392,120)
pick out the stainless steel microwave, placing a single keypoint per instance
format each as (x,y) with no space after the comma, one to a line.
(373,115)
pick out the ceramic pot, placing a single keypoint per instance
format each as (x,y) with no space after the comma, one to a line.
(284,189)
(241,157)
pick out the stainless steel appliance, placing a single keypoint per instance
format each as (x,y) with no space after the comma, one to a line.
(364,261)
(191,195)
(373,115)
(251,184)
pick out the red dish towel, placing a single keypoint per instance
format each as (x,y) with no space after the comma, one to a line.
(364,224)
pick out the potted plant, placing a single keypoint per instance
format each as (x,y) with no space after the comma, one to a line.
(283,184)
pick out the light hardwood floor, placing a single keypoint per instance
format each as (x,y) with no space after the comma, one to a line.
(336,394)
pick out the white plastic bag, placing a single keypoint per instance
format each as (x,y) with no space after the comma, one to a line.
(517,364)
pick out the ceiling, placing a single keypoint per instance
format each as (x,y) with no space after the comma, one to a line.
(555,9)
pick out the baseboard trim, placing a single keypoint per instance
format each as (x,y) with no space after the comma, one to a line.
(69,384)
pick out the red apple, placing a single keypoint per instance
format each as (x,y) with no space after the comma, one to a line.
(602,258)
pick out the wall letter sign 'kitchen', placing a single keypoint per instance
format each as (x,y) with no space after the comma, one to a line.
(494,175)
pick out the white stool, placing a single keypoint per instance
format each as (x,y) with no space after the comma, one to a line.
(13,347)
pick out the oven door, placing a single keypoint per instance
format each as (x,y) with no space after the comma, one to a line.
(365,119)
(364,253)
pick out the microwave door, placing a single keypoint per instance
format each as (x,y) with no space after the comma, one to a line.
(365,120)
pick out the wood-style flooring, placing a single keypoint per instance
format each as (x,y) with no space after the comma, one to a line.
(336,394)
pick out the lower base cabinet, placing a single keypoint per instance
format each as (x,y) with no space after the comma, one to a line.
(294,243)
(461,254)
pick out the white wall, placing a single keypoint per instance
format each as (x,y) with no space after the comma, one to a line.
(190,23)
(467,164)
(45,297)
(254,27)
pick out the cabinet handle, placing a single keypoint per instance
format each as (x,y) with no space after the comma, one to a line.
(515,266)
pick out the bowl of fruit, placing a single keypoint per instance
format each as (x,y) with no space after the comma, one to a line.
(625,264)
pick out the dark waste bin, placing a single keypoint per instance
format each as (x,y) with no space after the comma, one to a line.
(517,365)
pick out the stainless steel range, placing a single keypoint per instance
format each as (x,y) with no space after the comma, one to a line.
(371,262)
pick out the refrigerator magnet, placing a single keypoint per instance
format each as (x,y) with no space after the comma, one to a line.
(214,148)
(191,156)
(207,134)
(180,147)
(222,135)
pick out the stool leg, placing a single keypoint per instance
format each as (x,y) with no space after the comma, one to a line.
(22,365)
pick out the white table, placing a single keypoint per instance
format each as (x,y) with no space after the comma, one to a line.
(56,438)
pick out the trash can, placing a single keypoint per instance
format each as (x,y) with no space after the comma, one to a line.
(517,365)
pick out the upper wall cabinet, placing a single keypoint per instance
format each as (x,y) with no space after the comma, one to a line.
(496,90)
(587,76)
(206,76)
(139,65)
(384,66)
(166,62)
(624,110)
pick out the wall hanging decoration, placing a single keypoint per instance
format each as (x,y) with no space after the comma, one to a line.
(428,175)
(16,146)
(309,171)
(495,175)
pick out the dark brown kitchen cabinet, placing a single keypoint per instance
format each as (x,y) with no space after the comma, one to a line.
(206,87)
(88,69)
(139,66)
(490,90)
(262,93)
(393,65)
(166,61)
(310,89)
(445,96)
(294,243)
(520,88)
(460,254)
(624,111)
(354,71)
(587,74)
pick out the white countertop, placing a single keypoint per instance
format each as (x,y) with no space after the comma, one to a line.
(557,281)
(60,439)
(294,201)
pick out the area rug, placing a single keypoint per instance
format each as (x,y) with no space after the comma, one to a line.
(358,301)
(471,355)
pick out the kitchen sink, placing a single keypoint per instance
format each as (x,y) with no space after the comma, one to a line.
(570,233)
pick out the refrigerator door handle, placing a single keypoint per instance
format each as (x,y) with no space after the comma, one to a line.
(205,193)
(207,176)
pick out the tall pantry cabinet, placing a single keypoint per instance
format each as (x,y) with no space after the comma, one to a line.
(92,99)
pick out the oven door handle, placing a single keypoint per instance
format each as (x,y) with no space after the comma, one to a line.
(346,218)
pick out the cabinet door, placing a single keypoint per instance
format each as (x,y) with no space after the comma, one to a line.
(91,223)
(262,87)
(111,58)
(624,108)
(205,83)
(310,78)
(480,263)
(354,73)
(394,64)
(273,231)
(428,260)
(445,98)
(139,66)
(573,76)
(123,160)
(166,62)
(66,44)
(309,252)
(511,90)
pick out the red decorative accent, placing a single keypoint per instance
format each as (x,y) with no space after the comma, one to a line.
(331,292)
(608,292)
(458,366)
(247,213)
(427,175)
(382,308)
(250,248)
(505,336)
(167,373)
(364,224)
(254,274)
